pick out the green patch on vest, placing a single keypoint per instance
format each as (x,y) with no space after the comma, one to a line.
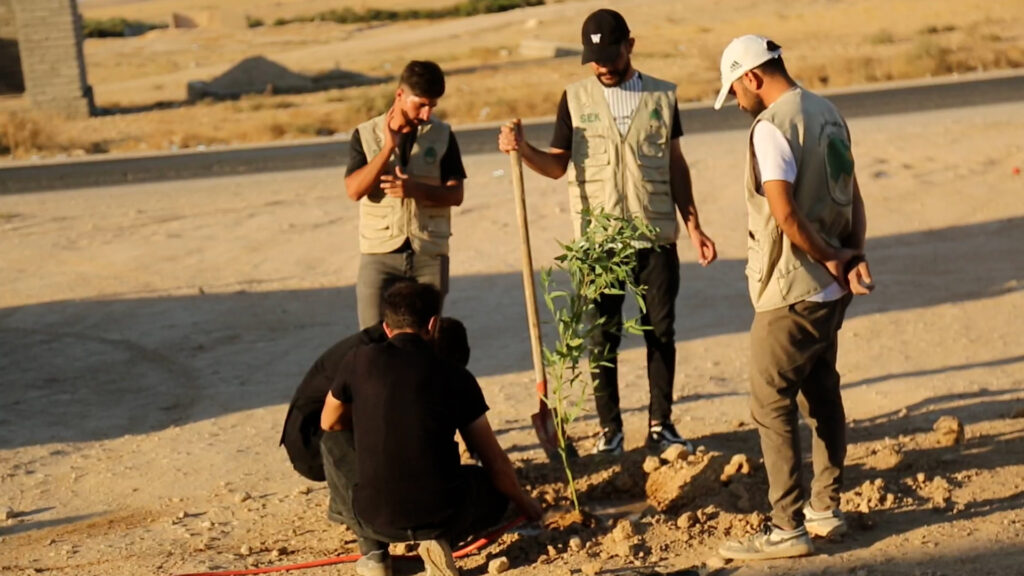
(656,115)
(839,159)
(839,162)
(430,155)
(589,117)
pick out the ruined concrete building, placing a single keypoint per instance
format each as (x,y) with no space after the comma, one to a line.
(41,56)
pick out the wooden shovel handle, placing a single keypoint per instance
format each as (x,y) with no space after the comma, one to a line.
(528,286)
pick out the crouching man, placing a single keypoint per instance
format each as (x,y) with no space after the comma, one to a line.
(397,476)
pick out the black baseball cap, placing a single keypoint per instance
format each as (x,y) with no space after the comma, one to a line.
(604,31)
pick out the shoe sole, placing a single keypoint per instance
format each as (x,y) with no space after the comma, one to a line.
(374,570)
(438,559)
(829,534)
(658,448)
(790,552)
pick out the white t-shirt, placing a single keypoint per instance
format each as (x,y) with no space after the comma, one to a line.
(623,100)
(775,161)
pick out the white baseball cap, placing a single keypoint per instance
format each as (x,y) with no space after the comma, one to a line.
(742,55)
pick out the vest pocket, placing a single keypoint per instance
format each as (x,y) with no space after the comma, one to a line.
(375,221)
(375,227)
(762,255)
(660,204)
(438,227)
(589,150)
(656,181)
(435,222)
(653,144)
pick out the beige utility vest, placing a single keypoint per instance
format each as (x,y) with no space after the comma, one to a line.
(386,222)
(778,273)
(623,175)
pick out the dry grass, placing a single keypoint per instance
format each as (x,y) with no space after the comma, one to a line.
(827,44)
(25,134)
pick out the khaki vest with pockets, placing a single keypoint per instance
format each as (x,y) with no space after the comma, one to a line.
(386,222)
(778,273)
(624,175)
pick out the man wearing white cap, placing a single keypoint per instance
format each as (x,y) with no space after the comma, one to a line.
(617,134)
(806,227)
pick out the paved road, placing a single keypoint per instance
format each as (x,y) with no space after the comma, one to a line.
(100,171)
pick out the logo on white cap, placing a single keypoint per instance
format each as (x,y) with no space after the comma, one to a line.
(595,38)
(742,55)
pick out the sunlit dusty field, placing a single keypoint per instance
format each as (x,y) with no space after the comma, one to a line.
(828,45)
(152,334)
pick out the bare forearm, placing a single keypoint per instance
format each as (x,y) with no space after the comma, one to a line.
(503,476)
(364,180)
(682,195)
(551,163)
(682,188)
(793,224)
(859,227)
(799,232)
(450,193)
(480,439)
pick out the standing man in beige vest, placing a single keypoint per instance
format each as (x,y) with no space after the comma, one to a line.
(406,172)
(617,134)
(806,227)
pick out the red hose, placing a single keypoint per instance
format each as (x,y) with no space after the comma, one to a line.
(465,551)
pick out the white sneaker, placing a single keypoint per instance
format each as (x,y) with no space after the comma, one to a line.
(771,542)
(830,524)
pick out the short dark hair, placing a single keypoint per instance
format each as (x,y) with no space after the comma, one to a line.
(424,78)
(410,306)
(452,342)
(774,67)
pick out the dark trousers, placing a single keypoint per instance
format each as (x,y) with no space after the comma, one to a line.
(482,506)
(658,269)
(793,368)
(378,272)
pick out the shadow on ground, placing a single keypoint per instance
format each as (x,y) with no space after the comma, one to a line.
(136,365)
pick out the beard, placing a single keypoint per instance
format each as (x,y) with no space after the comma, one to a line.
(755,106)
(614,76)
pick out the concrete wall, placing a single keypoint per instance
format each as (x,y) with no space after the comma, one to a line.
(11,81)
(50,44)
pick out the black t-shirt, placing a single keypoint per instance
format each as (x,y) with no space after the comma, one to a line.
(562,138)
(301,433)
(451,162)
(407,404)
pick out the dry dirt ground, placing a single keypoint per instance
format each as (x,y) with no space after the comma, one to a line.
(152,334)
(828,44)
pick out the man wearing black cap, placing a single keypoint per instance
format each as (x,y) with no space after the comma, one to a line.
(617,135)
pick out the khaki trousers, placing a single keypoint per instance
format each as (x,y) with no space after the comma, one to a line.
(793,367)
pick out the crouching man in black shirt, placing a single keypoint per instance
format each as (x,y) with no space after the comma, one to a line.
(403,404)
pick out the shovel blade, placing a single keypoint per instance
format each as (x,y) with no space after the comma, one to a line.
(544,425)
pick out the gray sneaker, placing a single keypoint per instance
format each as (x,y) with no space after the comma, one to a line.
(771,542)
(437,557)
(376,563)
(830,524)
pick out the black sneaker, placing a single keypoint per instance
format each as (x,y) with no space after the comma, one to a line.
(610,442)
(663,435)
